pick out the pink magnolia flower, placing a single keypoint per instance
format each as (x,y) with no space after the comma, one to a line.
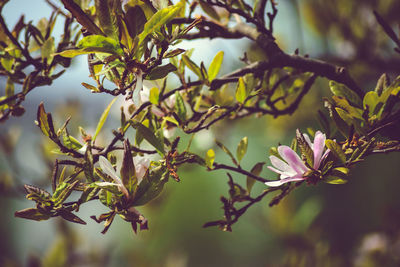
(292,168)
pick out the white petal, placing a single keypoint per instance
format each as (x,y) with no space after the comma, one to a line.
(308,140)
(280,164)
(137,89)
(284,181)
(106,166)
(141,166)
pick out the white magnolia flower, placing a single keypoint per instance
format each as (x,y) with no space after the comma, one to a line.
(141,166)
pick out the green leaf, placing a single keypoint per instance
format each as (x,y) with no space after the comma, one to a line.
(227,151)
(100,43)
(174,53)
(342,170)
(90,87)
(88,194)
(135,19)
(345,116)
(242,148)
(159,19)
(106,198)
(45,122)
(88,167)
(69,216)
(209,9)
(150,137)
(128,173)
(256,170)
(106,18)
(7,63)
(371,99)
(180,106)
(345,105)
(336,150)
(71,142)
(151,186)
(342,91)
(32,214)
(215,66)
(192,66)
(48,49)
(210,157)
(102,120)
(160,72)
(154,96)
(241,94)
(334,180)
(65,192)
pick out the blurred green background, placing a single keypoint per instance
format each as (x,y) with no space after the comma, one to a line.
(357,224)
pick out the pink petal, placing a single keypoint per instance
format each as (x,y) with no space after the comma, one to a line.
(280,164)
(284,181)
(319,145)
(292,159)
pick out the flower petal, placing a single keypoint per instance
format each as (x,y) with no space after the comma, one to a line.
(308,140)
(284,181)
(280,164)
(319,145)
(106,166)
(141,166)
(137,89)
(292,159)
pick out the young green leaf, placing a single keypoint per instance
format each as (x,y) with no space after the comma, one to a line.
(210,157)
(45,122)
(180,106)
(256,170)
(342,91)
(135,19)
(154,95)
(32,214)
(128,173)
(334,180)
(100,43)
(215,66)
(150,137)
(48,49)
(159,19)
(103,119)
(209,9)
(151,186)
(160,72)
(336,150)
(106,18)
(192,66)
(242,148)
(371,99)
(241,91)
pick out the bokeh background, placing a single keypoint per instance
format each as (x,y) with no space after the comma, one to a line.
(357,224)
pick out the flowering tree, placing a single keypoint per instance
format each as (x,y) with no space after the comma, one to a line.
(130,45)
